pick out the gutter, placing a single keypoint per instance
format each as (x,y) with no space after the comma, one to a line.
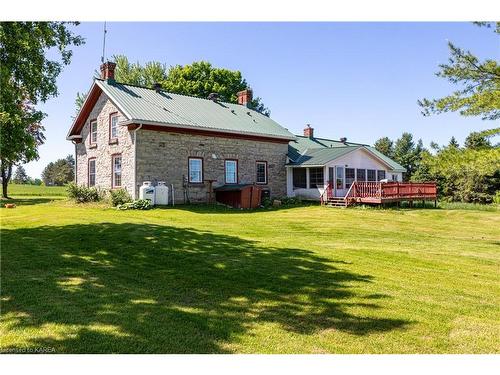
(180,126)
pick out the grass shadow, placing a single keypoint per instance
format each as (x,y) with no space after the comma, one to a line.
(29,201)
(139,288)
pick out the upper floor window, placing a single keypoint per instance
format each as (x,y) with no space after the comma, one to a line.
(117,171)
(113,126)
(91,176)
(93,132)
(261,177)
(195,170)
(231,171)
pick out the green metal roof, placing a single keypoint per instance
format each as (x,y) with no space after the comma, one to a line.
(396,167)
(305,151)
(302,143)
(321,156)
(145,105)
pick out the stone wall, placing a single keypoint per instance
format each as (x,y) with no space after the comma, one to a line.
(103,150)
(163,156)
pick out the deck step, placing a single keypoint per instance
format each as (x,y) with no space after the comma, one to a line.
(336,202)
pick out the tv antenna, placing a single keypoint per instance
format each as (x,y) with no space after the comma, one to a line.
(103,43)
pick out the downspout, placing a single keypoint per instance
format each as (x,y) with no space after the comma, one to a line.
(76,164)
(135,159)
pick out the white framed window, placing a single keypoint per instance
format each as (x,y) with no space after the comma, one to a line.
(91,176)
(117,171)
(195,170)
(231,171)
(371,174)
(361,175)
(261,169)
(380,175)
(113,126)
(93,132)
(394,177)
(350,175)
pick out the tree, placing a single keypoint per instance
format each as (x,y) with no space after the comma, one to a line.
(59,172)
(20,177)
(198,79)
(477,141)
(463,174)
(408,154)
(28,76)
(385,146)
(479,94)
(453,143)
(201,79)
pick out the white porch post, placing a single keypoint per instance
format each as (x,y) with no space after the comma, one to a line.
(308,185)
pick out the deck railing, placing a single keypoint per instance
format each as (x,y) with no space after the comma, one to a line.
(378,192)
(392,190)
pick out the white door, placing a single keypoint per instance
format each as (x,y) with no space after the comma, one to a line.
(340,190)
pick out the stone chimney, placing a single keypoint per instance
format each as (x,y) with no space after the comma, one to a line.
(108,71)
(308,131)
(245,97)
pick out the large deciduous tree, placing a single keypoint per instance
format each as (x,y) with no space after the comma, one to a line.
(479,81)
(28,76)
(198,79)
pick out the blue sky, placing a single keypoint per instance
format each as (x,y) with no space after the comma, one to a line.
(354,80)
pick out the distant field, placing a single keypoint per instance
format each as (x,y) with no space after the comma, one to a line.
(33,190)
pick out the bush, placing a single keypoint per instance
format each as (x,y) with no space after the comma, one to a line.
(119,196)
(496,197)
(291,201)
(140,204)
(82,194)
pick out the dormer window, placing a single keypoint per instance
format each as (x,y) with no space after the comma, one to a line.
(113,126)
(93,132)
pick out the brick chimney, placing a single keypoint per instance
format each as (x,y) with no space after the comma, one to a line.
(108,71)
(245,97)
(308,131)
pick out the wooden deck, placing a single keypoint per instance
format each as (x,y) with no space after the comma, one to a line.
(384,192)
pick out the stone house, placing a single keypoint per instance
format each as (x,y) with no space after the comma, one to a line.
(125,134)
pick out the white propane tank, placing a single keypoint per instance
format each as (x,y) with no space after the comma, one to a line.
(161,194)
(147,191)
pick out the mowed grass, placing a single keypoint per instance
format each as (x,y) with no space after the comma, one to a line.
(88,279)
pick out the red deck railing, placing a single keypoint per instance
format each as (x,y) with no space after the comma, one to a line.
(379,192)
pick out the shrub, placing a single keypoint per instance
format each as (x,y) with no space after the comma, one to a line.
(290,201)
(496,197)
(82,194)
(119,196)
(140,204)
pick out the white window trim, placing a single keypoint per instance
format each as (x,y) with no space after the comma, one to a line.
(92,132)
(265,172)
(189,170)
(111,126)
(113,180)
(235,162)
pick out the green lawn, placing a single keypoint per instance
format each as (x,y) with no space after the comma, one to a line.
(80,278)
